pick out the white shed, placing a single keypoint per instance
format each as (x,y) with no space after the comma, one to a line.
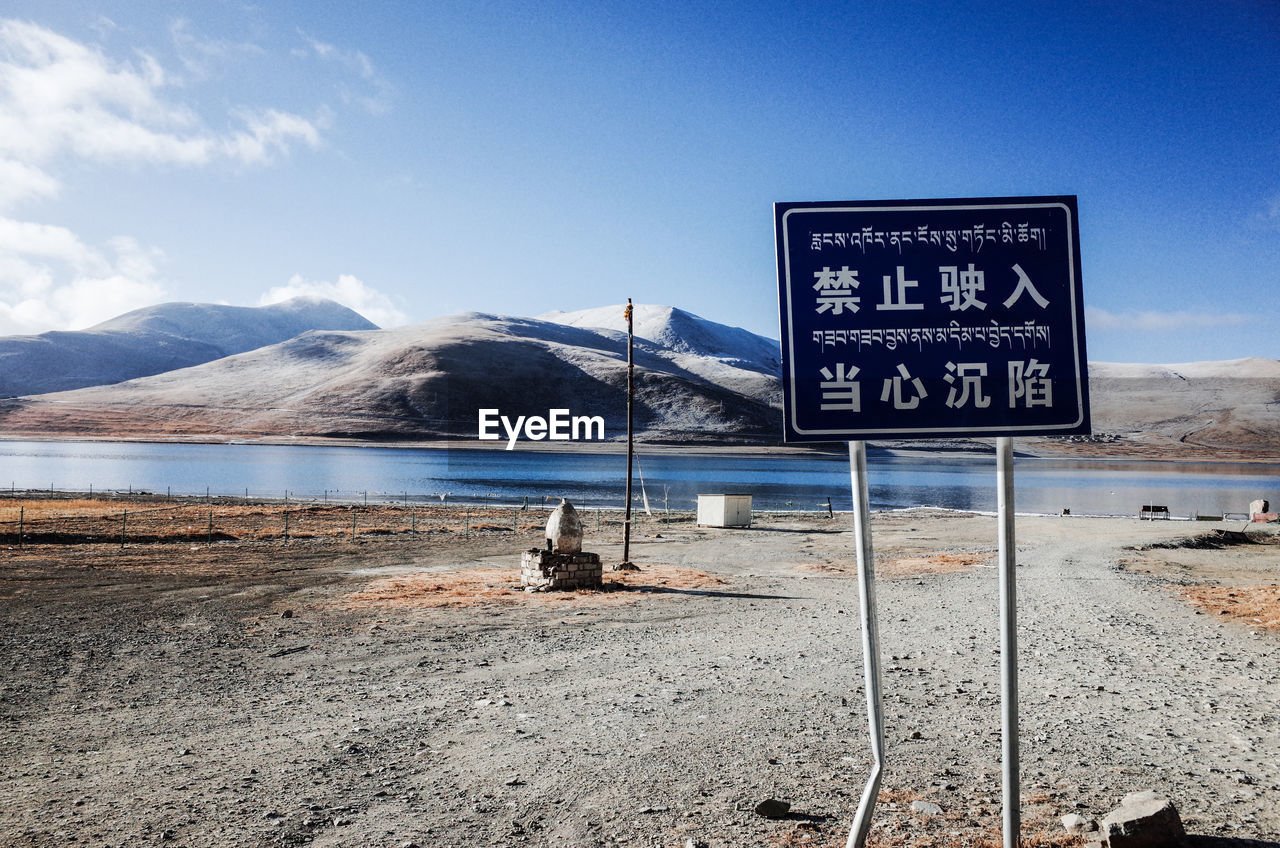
(724,510)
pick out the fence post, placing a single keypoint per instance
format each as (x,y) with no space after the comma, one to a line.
(466,525)
(353,525)
(286,523)
(21,511)
(413,525)
(211,527)
(124,523)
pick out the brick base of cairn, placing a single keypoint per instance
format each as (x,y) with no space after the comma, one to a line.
(542,570)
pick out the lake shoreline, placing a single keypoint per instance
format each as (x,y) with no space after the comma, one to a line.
(1029,447)
(791,479)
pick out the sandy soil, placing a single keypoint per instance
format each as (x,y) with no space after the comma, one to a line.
(398,690)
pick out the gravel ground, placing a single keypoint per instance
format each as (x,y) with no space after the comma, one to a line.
(246,694)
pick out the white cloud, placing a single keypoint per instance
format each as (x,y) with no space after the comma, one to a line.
(269,132)
(49,278)
(62,101)
(87,301)
(45,241)
(20,181)
(1151,321)
(350,291)
(375,98)
(199,55)
(59,97)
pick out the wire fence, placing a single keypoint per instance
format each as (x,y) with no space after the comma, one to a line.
(658,499)
(29,518)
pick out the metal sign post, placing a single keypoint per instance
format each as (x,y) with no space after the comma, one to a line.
(870,639)
(922,319)
(1008,644)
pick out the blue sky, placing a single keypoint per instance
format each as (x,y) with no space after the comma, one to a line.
(419,159)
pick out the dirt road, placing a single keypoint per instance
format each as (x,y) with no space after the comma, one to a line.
(391,692)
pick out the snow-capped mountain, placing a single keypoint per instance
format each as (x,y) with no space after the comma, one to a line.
(1230,404)
(156,339)
(678,331)
(730,357)
(425,381)
(696,381)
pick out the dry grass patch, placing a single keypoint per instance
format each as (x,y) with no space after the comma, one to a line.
(1041,839)
(472,586)
(907,837)
(914,566)
(464,587)
(1256,605)
(71,521)
(895,825)
(34,510)
(897,568)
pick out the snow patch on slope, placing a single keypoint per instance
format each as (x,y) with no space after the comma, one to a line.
(1250,368)
(157,339)
(429,380)
(682,332)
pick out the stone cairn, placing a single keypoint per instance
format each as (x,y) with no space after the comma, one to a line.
(562,564)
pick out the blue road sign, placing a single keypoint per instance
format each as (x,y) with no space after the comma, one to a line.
(917,319)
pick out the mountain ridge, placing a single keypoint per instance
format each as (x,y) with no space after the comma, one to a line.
(423,381)
(156,339)
(427,381)
(681,332)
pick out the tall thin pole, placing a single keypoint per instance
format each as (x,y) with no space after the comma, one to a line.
(870,641)
(631,391)
(1008,644)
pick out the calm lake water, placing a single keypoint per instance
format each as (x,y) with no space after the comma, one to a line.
(776,481)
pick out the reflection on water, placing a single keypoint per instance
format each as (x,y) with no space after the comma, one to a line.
(1109,487)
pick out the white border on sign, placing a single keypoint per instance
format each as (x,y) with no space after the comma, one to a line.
(1075,330)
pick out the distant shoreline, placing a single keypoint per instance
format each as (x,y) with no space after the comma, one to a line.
(1031,448)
